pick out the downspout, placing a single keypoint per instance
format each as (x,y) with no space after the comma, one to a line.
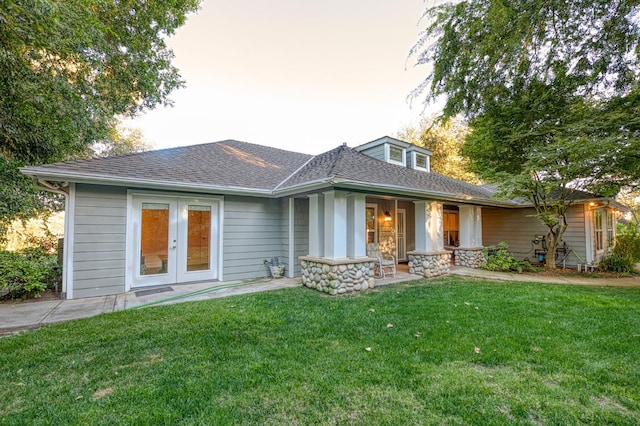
(62,189)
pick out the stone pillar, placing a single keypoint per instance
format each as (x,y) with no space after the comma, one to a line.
(335,225)
(469,257)
(316,225)
(356,226)
(338,276)
(429,259)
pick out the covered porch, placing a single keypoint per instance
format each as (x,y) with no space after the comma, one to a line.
(426,235)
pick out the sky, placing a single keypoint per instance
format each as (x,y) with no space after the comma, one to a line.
(301,75)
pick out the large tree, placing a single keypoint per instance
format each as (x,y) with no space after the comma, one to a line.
(551,91)
(68,71)
(444,138)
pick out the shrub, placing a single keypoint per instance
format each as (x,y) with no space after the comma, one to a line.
(28,273)
(616,262)
(625,253)
(498,258)
(628,243)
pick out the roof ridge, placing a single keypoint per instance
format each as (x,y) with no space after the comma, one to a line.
(294,173)
(340,150)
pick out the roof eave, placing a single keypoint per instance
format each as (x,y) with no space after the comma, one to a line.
(48,175)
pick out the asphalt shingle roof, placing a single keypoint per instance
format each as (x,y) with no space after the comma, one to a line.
(237,164)
(347,163)
(226,163)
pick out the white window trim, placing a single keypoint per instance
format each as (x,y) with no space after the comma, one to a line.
(602,231)
(387,155)
(414,158)
(375,222)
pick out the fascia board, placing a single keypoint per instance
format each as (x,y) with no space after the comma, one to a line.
(146,183)
(445,196)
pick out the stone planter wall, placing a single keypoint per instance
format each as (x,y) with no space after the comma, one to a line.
(469,257)
(430,264)
(338,277)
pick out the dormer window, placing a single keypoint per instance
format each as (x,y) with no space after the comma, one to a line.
(421,161)
(395,155)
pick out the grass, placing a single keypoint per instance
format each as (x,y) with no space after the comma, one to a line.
(447,351)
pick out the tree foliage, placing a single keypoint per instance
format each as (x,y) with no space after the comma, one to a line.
(444,138)
(121,140)
(68,71)
(551,91)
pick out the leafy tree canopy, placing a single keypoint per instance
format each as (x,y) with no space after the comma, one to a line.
(483,52)
(68,70)
(551,90)
(445,139)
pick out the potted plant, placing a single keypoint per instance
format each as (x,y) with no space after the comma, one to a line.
(277,270)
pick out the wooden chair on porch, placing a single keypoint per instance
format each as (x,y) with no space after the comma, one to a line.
(384,261)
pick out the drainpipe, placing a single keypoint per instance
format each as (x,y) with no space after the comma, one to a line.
(62,189)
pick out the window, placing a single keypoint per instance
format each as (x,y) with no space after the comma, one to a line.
(450,227)
(598,229)
(395,154)
(421,161)
(371,223)
(610,229)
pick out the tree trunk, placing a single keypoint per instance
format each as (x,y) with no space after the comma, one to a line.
(554,236)
(552,244)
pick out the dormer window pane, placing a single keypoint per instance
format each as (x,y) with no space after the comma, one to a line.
(421,161)
(395,154)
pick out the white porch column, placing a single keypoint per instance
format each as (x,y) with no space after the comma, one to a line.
(316,225)
(470,226)
(335,225)
(356,226)
(292,237)
(429,232)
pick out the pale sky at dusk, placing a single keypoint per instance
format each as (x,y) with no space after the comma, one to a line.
(303,75)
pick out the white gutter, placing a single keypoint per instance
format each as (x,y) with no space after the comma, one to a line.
(43,175)
(47,175)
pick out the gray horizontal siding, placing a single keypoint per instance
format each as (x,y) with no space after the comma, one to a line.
(252,232)
(376,152)
(517,227)
(99,240)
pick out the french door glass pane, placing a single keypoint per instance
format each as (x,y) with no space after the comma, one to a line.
(154,238)
(198,234)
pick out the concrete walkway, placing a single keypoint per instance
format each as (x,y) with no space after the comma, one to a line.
(33,314)
(546,279)
(20,316)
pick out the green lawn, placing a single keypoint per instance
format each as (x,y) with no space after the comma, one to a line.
(447,351)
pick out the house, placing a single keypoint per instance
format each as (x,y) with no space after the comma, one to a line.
(218,211)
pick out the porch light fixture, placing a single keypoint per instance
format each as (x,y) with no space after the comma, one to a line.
(387,216)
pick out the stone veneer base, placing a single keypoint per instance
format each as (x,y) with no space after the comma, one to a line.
(338,276)
(429,264)
(469,257)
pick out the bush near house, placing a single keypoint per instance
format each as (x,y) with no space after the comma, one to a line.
(27,273)
(498,258)
(625,253)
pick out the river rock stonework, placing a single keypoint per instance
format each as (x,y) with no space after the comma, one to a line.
(469,257)
(338,277)
(430,264)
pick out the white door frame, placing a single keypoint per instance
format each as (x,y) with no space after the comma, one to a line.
(132,268)
(403,233)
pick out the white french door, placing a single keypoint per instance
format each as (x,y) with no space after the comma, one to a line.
(175,239)
(401,234)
